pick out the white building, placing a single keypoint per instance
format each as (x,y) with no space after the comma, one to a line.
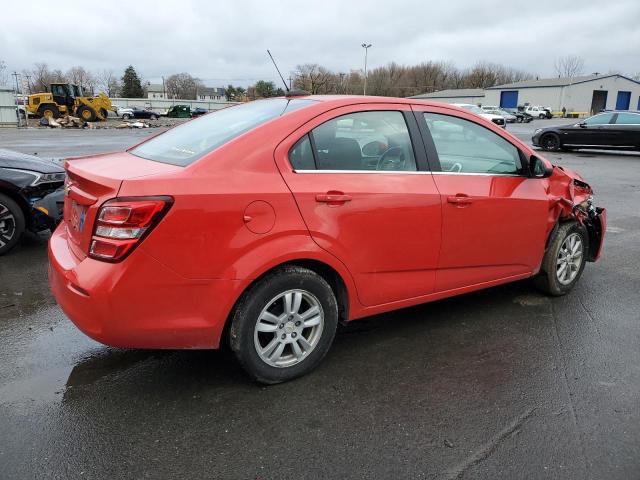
(461,95)
(156,90)
(586,95)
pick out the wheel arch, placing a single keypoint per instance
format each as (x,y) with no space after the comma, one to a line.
(19,199)
(328,272)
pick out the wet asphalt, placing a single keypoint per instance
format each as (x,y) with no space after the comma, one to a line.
(502,383)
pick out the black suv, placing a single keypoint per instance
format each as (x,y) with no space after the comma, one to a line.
(26,180)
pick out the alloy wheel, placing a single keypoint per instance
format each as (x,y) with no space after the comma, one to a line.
(569,259)
(7,225)
(289,328)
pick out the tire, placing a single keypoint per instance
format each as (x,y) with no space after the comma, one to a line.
(553,279)
(49,110)
(12,223)
(550,142)
(542,116)
(259,321)
(519,119)
(153,117)
(104,113)
(86,113)
(126,116)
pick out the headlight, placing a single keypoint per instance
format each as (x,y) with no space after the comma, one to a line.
(40,178)
(537,130)
(49,178)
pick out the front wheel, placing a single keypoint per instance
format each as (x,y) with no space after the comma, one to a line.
(284,325)
(12,223)
(550,141)
(564,260)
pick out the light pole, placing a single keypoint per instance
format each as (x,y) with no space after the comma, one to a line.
(366,50)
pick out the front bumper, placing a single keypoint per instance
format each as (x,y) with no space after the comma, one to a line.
(138,303)
(535,140)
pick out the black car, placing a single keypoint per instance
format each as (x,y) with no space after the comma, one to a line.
(521,117)
(196,112)
(137,112)
(616,130)
(26,180)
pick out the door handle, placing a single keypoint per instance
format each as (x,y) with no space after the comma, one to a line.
(460,199)
(335,198)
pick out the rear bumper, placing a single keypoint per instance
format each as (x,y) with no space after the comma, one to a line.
(138,303)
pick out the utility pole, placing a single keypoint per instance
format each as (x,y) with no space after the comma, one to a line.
(164,90)
(366,50)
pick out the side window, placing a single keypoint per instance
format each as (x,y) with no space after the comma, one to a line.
(376,140)
(601,119)
(301,155)
(628,119)
(466,147)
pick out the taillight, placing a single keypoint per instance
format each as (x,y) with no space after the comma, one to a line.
(122,223)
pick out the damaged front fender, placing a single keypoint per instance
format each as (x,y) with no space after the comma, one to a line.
(571,198)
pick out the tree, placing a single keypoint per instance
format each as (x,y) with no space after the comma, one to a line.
(183,85)
(315,79)
(569,66)
(131,86)
(107,82)
(81,77)
(230,93)
(265,89)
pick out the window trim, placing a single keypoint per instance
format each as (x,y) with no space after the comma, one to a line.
(432,152)
(415,138)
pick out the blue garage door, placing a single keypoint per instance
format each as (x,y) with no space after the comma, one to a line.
(509,99)
(638,103)
(623,100)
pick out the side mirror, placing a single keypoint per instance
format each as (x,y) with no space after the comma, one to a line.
(538,168)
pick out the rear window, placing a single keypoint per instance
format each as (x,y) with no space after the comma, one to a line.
(186,143)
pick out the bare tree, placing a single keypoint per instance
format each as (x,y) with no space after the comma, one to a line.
(108,82)
(569,66)
(183,85)
(79,76)
(315,79)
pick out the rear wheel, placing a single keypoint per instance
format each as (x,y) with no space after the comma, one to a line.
(12,223)
(564,260)
(126,116)
(550,141)
(48,111)
(153,117)
(542,115)
(284,325)
(86,113)
(104,113)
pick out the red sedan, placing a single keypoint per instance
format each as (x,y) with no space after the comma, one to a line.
(266,224)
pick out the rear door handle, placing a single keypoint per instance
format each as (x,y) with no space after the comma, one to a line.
(460,199)
(336,198)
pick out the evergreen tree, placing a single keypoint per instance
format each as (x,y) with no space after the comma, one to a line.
(131,87)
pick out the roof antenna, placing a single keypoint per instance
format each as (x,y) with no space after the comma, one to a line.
(281,77)
(290,93)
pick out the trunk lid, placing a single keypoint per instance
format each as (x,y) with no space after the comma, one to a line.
(91,181)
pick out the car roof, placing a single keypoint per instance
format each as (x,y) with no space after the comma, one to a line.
(360,99)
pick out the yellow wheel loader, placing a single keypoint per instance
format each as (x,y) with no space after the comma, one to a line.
(68,99)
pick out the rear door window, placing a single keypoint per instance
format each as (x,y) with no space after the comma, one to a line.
(188,142)
(369,141)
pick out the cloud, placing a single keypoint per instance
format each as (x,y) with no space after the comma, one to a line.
(226,42)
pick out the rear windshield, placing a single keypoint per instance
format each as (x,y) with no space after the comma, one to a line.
(186,143)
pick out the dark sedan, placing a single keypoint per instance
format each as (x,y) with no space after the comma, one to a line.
(520,116)
(25,181)
(607,131)
(137,112)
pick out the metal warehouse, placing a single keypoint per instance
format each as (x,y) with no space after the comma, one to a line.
(8,116)
(462,95)
(585,95)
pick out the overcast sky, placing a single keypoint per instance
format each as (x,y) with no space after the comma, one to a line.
(225,42)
